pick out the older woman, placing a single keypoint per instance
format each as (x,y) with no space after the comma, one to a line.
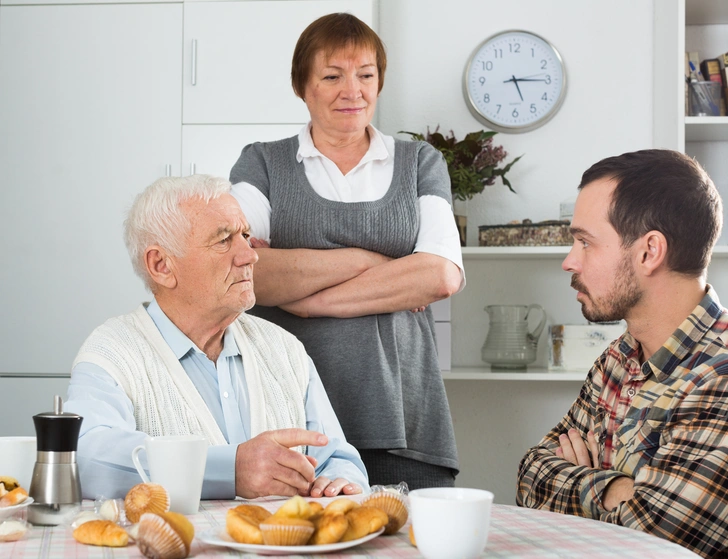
(356,236)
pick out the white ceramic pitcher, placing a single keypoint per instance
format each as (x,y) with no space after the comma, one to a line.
(509,344)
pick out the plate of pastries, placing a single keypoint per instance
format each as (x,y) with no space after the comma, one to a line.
(302,527)
(12,496)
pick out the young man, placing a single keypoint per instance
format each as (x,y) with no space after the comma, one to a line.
(192,361)
(645,444)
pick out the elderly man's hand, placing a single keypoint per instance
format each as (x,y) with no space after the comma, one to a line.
(574,450)
(266,465)
(324,487)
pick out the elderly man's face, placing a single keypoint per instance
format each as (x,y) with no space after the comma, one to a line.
(216,272)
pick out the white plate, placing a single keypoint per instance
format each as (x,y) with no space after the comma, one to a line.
(221,538)
(7,511)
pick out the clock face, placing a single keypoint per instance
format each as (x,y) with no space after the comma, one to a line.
(515,81)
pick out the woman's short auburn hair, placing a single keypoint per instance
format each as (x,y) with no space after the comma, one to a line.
(329,34)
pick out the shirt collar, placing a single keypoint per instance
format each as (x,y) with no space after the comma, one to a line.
(180,344)
(377,148)
(682,342)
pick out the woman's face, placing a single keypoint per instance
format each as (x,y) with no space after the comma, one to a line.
(341,93)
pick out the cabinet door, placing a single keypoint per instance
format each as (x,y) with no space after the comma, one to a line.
(238,58)
(90,105)
(213,150)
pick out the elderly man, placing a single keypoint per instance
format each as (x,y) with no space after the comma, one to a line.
(191,361)
(645,444)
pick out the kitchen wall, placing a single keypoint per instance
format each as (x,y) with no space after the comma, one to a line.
(607,49)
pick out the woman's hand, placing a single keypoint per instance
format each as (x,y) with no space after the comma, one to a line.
(324,487)
(258,243)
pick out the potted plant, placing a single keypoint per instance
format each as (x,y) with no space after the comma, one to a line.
(472,163)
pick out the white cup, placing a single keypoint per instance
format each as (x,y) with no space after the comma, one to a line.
(178,464)
(17,459)
(450,522)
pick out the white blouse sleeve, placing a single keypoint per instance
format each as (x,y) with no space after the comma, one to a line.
(256,208)
(438,233)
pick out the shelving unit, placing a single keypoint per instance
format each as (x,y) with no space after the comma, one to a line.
(540,252)
(531,374)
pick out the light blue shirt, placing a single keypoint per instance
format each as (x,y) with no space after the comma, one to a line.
(108,431)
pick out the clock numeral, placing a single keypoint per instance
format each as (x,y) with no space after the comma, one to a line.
(514,114)
(548,79)
(543,64)
(515,47)
(486,98)
(533,108)
(487,65)
(498,53)
(545,97)
(499,108)
(481,79)
(533,53)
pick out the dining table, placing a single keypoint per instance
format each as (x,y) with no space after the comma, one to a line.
(514,532)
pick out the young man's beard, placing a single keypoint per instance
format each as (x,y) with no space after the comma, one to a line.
(625,294)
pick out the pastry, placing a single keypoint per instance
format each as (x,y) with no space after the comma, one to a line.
(316,507)
(145,497)
(295,507)
(393,504)
(8,483)
(14,497)
(286,531)
(243,523)
(328,528)
(12,530)
(364,521)
(101,532)
(110,510)
(166,535)
(341,506)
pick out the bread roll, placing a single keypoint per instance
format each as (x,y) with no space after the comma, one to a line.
(14,497)
(364,521)
(101,532)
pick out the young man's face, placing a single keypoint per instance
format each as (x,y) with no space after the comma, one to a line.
(602,270)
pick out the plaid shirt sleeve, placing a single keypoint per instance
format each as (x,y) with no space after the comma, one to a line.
(548,482)
(681,494)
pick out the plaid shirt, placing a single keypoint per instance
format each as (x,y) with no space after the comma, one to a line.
(663,423)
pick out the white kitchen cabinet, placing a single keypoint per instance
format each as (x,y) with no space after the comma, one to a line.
(90,105)
(237,58)
(214,149)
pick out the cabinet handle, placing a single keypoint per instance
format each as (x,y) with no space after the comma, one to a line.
(168,170)
(193,167)
(194,61)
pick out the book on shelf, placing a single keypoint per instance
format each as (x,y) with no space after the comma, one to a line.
(712,71)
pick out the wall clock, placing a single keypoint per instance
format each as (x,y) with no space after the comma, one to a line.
(514,81)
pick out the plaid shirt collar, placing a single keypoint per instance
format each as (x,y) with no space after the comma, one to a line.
(682,342)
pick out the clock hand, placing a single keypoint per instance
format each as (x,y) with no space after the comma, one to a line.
(528,80)
(515,81)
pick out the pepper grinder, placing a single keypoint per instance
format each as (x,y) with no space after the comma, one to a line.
(55,486)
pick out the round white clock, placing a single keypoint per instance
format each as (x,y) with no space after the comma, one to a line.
(514,81)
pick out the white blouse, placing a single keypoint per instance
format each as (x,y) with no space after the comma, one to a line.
(368,181)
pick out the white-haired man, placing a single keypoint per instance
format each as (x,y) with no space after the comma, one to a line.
(191,361)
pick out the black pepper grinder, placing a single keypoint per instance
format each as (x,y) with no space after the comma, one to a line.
(55,487)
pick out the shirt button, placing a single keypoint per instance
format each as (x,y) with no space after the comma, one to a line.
(225,394)
(630,392)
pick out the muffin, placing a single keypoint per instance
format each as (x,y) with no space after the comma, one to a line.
(101,532)
(145,497)
(286,531)
(393,504)
(167,535)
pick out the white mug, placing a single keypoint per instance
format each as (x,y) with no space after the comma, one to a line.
(17,459)
(450,522)
(178,464)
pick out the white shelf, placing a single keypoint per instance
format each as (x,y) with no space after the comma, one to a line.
(542,252)
(706,129)
(531,374)
(514,253)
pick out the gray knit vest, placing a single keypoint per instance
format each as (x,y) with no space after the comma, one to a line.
(380,371)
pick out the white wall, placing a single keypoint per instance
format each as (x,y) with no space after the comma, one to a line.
(607,49)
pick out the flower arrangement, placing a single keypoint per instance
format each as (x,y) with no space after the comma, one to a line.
(472,162)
